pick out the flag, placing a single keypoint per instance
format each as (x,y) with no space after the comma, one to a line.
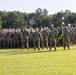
(41,27)
(22,29)
(59,36)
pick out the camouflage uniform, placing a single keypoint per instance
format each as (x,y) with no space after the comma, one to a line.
(16,38)
(9,39)
(31,39)
(3,39)
(75,36)
(26,35)
(72,36)
(0,38)
(52,39)
(36,39)
(66,39)
(45,38)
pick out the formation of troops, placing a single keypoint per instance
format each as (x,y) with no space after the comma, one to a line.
(46,38)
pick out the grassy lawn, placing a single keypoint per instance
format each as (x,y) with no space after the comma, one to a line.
(43,62)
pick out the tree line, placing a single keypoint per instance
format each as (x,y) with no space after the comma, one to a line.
(18,19)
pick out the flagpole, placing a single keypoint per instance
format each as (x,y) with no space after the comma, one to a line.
(62,28)
(62,23)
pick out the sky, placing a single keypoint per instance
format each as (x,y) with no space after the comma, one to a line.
(30,6)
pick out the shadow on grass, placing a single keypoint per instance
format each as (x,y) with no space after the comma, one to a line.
(15,51)
(23,52)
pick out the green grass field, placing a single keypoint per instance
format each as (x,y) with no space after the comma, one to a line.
(43,62)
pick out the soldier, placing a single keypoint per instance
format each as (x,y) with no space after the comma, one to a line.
(66,38)
(26,35)
(3,38)
(75,36)
(44,38)
(13,30)
(36,39)
(9,38)
(0,38)
(16,38)
(72,36)
(19,33)
(52,38)
(31,39)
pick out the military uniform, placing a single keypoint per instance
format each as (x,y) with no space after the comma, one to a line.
(75,36)
(72,36)
(31,39)
(66,38)
(36,40)
(9,39)
(0,39)
(44,38)
(26,35)
(3,39)
(52,39)
(16,39)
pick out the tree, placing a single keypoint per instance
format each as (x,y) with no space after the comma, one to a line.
(36,19)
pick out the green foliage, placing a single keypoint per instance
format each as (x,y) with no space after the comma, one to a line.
(40,16)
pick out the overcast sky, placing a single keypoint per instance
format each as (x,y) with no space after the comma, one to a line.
(29,6)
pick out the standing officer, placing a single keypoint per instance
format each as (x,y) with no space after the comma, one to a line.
(26,35)
(9,38)
(45,38)
(36,39)
(66,38)
(52,38)
(3,38)
(16,38)
(0,38)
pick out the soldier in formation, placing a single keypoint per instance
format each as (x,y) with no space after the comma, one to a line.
(52,38)
(36,36)
(66,38)
(9,38)
(45,35)
(26,36)
(33,38)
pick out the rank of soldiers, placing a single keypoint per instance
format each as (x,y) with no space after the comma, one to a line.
(46,38)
